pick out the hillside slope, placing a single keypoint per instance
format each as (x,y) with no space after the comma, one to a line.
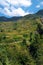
(21,42)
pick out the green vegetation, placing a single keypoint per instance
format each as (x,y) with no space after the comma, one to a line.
(21,42)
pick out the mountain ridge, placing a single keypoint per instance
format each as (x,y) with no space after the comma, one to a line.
(38,14)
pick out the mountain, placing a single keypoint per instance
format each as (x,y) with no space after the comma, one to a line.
(30,16)
(36,15)
(9,19)
(40,12)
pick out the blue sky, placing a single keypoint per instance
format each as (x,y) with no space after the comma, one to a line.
(11,8)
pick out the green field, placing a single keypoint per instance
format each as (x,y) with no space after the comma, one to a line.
(21,42)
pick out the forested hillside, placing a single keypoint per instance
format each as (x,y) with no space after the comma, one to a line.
(21,42)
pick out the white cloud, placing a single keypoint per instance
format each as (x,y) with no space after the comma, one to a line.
(24,3)
(10,10)
(3,3)
(38,6)
(14,12)
(41,3)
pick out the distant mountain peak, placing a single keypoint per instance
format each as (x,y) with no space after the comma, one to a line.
(40,12)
